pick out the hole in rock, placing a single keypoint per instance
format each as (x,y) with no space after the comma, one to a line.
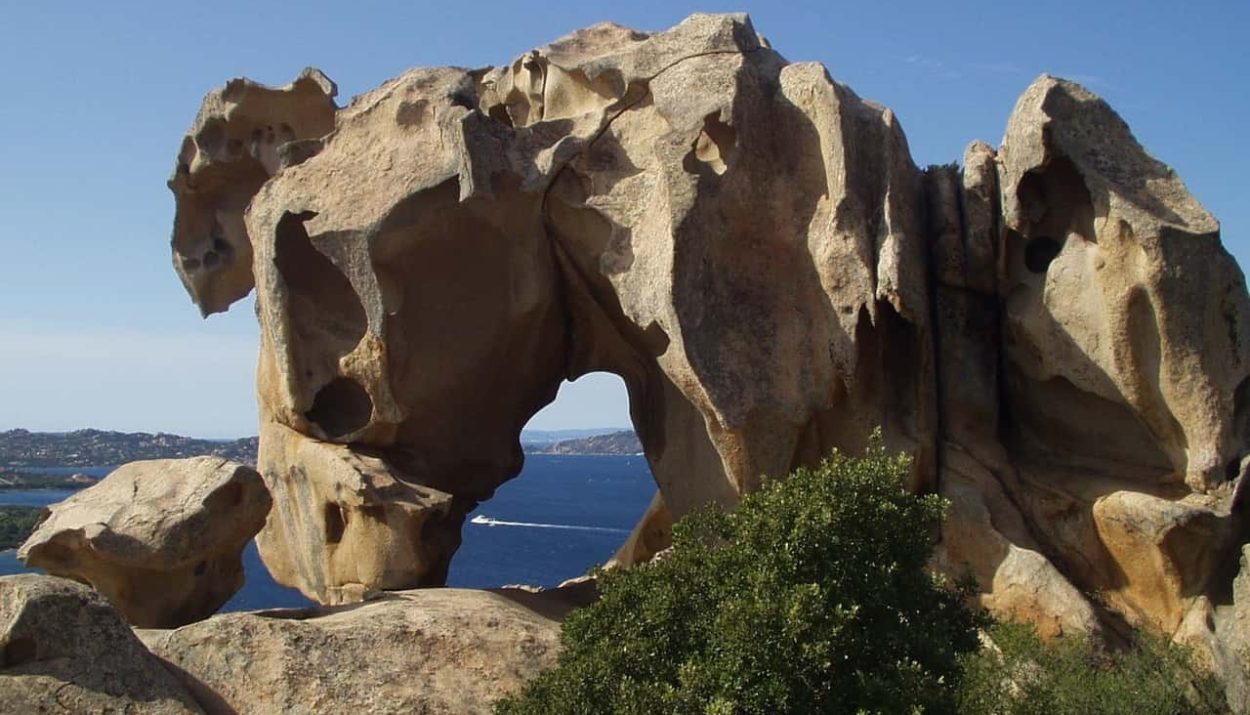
(580,493)
(335,523)
(713,145)
(341,407)
(499,113)
(327,319)
(1039,252)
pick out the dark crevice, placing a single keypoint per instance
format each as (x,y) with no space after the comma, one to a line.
(341,407)
(336,523)
(932,245)
(1039,252)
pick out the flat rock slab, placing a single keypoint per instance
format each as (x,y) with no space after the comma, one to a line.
(426,651)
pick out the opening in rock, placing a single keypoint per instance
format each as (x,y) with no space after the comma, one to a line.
(713,145)
(582,490)
(341,407)
(1039,252)
(327,319)
(335,524)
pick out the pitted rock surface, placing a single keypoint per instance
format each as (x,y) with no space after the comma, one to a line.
(1054,330)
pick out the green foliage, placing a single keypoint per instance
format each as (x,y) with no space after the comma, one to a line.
(811,597)
(16,523)
(1025,676)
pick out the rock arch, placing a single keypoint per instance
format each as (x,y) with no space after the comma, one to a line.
(1053,331)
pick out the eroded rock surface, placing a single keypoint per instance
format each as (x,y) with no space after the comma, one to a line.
(161,539)
(1054,331)
(436,651)
(64,649)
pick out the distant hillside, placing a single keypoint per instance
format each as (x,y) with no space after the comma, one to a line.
(90,448)
(21,448)
(625,442)
(533,439)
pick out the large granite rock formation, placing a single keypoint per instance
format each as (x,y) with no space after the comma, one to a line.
(63,649)
(1054,331)
(161,539)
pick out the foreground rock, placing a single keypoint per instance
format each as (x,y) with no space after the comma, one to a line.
(161,539)
(1054,333)
(431,651)
(64,649)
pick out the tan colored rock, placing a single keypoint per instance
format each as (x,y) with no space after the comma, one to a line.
(1116,287)
(564,226)
(161,539)
(986,537)
(432,651)
(245,133)
(1055,333)
(346,523)
(63,648)
(1163,549)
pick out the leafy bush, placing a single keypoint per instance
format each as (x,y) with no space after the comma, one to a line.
(811,597)
(1022,675)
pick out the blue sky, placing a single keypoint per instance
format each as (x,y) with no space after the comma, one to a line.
(96,330)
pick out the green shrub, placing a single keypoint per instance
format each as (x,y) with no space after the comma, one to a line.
(1023,675)
(16,523)
(811,597)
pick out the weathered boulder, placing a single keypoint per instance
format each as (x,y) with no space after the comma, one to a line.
(161,539)
(1054,332)
(429,651)
(63,648)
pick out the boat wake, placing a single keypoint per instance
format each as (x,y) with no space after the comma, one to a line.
(483,520)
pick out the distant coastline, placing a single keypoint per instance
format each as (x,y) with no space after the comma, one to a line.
(24,453)
(25,450)
(614,444)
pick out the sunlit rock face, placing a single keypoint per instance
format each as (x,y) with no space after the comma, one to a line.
(1054,331)
(162,539)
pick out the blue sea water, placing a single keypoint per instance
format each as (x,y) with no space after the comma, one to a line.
(96,472)
(563,515)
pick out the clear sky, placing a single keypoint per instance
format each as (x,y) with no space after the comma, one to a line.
(95,329)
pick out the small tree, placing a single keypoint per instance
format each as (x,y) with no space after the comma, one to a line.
(811,597)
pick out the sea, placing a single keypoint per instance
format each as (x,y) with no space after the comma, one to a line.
(562,516)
